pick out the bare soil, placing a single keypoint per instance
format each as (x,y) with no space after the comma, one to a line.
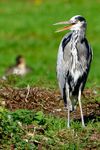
(49,101)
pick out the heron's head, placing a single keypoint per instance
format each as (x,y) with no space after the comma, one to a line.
(75,23)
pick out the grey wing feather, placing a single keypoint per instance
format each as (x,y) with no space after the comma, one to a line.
(62,66)
(84,54)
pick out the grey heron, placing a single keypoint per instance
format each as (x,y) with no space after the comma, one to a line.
(73,63)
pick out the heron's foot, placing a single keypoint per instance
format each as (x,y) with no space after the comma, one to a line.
(68,124)
(68,107)
(74,108)
(83,124)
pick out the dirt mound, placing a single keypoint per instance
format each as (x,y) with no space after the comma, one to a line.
(48,100)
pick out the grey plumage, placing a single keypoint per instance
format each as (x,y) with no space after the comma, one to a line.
(73,63)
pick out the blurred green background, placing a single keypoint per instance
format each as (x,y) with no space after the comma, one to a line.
(26,28)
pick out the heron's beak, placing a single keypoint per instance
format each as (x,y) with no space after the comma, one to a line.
(66,27)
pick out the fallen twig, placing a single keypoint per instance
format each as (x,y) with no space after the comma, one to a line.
(28,91)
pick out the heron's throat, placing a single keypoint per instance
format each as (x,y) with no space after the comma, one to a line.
(77,37)
(78,34)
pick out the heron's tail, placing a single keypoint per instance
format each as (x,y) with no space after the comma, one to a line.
(69,103)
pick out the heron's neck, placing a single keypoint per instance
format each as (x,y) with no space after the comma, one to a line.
(77,37)
(78,34)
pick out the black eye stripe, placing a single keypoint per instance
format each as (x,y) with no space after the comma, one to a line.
(80,18)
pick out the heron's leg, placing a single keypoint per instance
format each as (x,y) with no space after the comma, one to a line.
(80,105)
(68,105)
(68,122)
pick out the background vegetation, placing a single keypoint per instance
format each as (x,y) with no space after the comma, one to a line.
(26,28)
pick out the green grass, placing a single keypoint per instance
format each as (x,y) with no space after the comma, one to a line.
(25,129)
(26,28)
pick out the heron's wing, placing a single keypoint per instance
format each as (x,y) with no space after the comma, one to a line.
(84,54)
(63,61)
(85,58)
(67,56)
